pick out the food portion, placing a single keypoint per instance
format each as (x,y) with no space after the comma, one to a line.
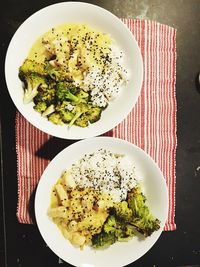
(99,201)
(72,73)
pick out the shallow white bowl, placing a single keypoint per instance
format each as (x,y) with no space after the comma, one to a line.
(98,18)
(121,253)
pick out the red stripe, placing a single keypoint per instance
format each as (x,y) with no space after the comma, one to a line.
(23,141)
(168,126)
(19,165)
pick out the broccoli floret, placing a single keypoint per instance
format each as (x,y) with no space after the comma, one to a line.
(33,75)
(48,111)
(45,94)
(124,232)
(123,212)
(78,110)
(32,82)
(65,113)
(63,92)
(66,116)
(117,230)
(110,225)
(130,230)
(125,219)
(94,114)
(118,227)
(143,220)
(82,96)
(73,89)
(82,121)
(103,240)
(136,201)
(31,66)
(57,74)
(55,118)
(52,72)
(40,107)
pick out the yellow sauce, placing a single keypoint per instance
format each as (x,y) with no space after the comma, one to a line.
(84,40)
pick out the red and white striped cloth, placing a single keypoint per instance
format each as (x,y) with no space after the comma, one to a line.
(151,125)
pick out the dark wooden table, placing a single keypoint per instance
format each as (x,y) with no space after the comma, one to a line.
(21,245)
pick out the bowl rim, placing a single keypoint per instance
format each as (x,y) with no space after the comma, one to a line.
(102,140)
(84,134)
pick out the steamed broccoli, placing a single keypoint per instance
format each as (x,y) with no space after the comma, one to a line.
(125,219)
(71,115)
(46,95)
(57,74)
(52,91)
(32,74)
(52,72)
(55,118)
(48,111)
(119,227)
(82,96)
(110,225)
(82,121)
(63,92)
(103,240)
(123,212)
(31,66)
(118,230)
(143,220)
(66,115)
(130,230)
(40,107)
(94,114)
(78,110)
(31,82)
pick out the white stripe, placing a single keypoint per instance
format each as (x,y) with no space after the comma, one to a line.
(145,87)
(157,95)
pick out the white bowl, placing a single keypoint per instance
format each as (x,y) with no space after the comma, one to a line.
(121,253)
(96,17)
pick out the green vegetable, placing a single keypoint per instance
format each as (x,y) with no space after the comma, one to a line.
(110,225)
(31,66)
(130,231)
(40,107)
(63,92)
(46,95)
(55,118)
(143,220)
(66,116)
(82,121)
(94,114)
(125,220)
(103,240)
(123,212)
(118,230)
(48,111)
(78,110)
(82,96)
(55,96)
(31,84)
(56,74)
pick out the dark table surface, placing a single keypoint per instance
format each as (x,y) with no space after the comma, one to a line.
(21,245)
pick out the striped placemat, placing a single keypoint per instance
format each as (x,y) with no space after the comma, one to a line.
(151,124)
